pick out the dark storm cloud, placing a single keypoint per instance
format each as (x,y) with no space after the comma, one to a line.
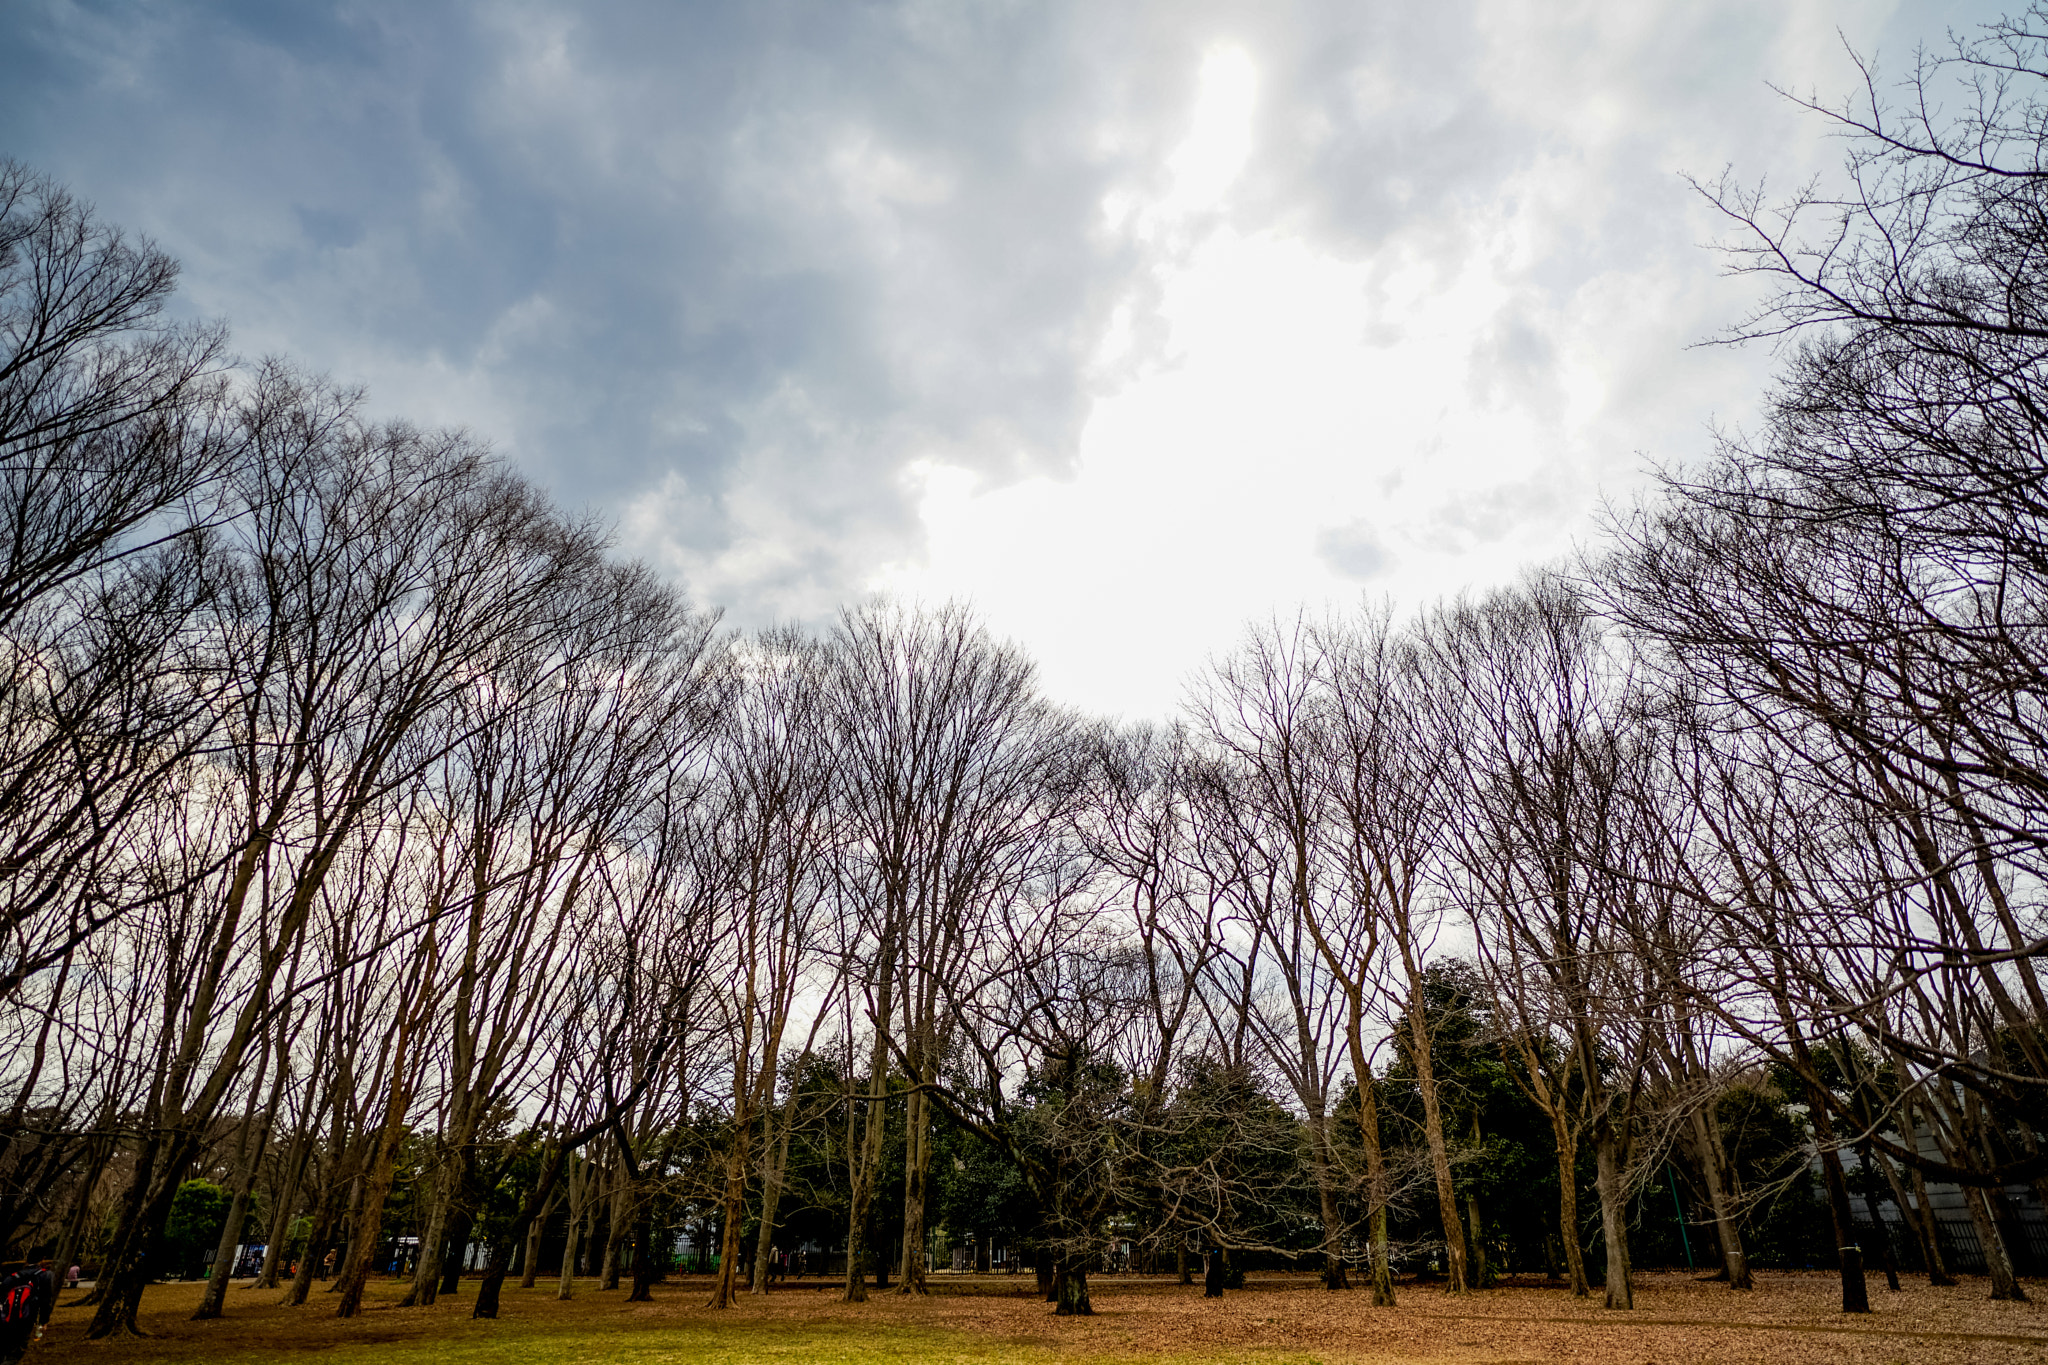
(647,226)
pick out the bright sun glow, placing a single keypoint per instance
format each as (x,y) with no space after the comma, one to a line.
(1308,433)
(1220,138)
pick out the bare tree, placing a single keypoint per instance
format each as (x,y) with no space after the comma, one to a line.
(774,827)
(1531,701)
(1264,813)
(947,752)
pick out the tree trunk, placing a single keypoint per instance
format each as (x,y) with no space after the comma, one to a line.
(2005,1286)
(248,1155)
(1918,1214)
(578,1178)
(1706,1136)
(280,1231)
(369,1229)
(916,1162)
(1482,1275)
(455,1247)
(325,1210)
(1607,1157)
(867,1165)
(1855,1293)
(1884,1234)
(530,1270)
(1433,1131)
(490,1289)
(1568,1205)
(615,1225)
(774,1167)
(1377,1192)
(644,1261)
(1322,1166)
(145,1205)
(1073,1289)
(216,1295)
(81,1207)
(1180,1265)
(725,1289)
(426,1276)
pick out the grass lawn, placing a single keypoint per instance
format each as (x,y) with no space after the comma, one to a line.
(1276,1321)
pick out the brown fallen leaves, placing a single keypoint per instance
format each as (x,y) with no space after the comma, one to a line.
(1789,1317)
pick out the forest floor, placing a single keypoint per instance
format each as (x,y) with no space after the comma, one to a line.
(1275,1320)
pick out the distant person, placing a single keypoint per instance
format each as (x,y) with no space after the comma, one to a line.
(71,1276)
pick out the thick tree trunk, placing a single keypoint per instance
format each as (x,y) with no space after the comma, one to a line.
(529,1273)
(1855,1292)
(1918,1213)
(249,1154)
(644,1260)
(1180,1265)
(491,1288)
(1073,1292)
(368,1234)
(2005,1284)
(455,1247)
(145,1204)
(1607,1157)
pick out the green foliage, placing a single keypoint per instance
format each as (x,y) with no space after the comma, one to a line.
(198,1213)
(1766,1137)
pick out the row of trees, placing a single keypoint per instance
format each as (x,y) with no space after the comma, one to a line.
(366,824)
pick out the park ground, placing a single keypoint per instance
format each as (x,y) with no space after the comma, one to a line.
(1789,1317)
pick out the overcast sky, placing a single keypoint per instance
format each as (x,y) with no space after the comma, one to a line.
(1128,321)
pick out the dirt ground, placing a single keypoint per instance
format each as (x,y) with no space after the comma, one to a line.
(1788,1317)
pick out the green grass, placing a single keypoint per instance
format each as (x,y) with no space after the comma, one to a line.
(536,1330)
(678,1343)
